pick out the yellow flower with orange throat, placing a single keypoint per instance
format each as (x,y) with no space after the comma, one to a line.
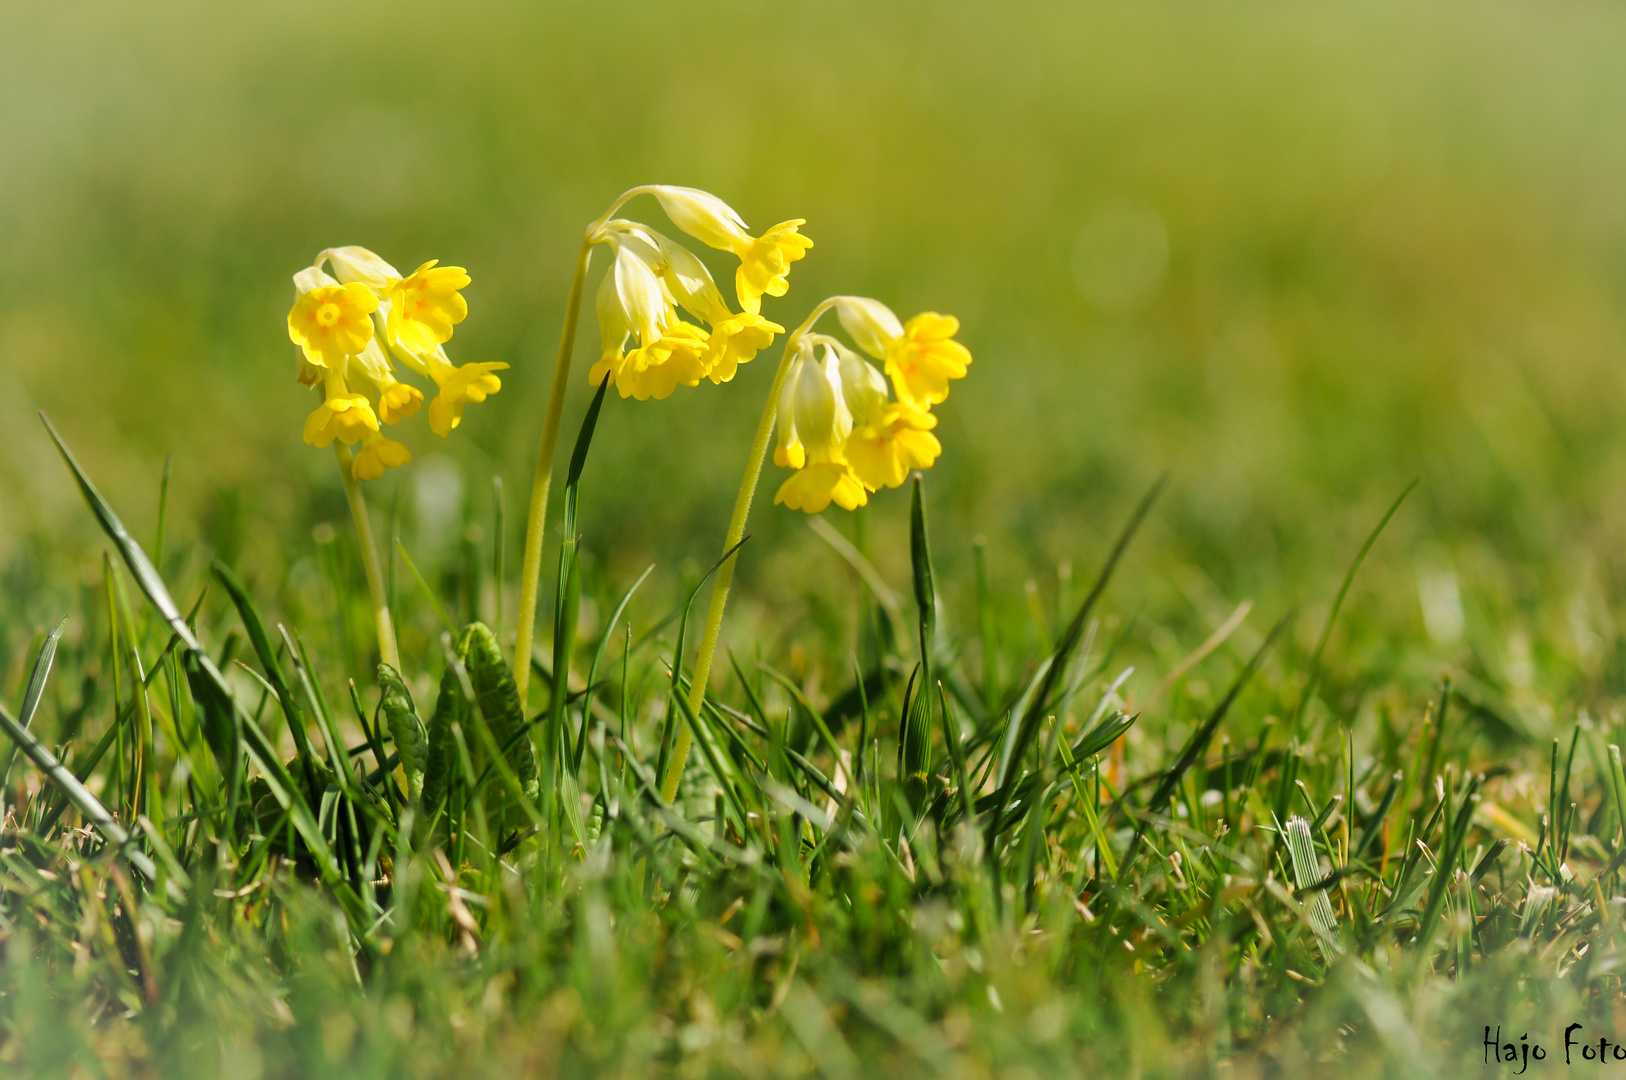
(663,321)
(840,427)
(350,323)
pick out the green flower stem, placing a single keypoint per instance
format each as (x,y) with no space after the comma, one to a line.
(725,573)
(387,650)
(536,522)
(530,582)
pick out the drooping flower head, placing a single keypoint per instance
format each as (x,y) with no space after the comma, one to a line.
(654,282)
(840,426)
(344,323)
(764,260)
(921,355)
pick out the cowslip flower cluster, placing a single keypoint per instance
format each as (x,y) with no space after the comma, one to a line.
(841,427)
(345,321)
(655,281)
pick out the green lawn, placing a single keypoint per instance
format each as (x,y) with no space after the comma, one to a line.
(1294,257)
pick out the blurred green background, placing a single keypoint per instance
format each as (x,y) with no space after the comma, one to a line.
(1296,254)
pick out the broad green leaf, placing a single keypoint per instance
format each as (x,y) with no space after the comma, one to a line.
(440,755)
(497,698)
(406,729)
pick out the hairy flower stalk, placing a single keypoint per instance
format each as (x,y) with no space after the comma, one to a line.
(842,433)
(651,285)
(387,651)
(348,325)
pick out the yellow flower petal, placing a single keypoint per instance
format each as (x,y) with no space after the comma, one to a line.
(925,358)
(467,383)
(376,455)
(812,489)
(737,340)
(331,323)
(397,401)
(346,417)
(426,304)
(765,260)
(657,369)
(883,453)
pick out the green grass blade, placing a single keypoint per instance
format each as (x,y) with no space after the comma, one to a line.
(598,655)
(261,643)
(915,736)
(1199,740)
(1039,705)
(1338,603)
(79,795)
(31,698)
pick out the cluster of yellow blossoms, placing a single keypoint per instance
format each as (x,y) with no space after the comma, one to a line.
(653,277)
(338,320)
(839,428)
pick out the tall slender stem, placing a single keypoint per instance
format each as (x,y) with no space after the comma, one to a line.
(536,522)
(725,573)
(530,583)
(387,650)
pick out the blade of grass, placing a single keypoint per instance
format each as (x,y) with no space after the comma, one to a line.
(1038,707)
(1199,739)
(86,803)
(31,701)
(1337,605)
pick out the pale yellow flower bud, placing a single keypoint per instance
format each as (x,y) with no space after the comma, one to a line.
(815,411)
(639,291)
(357,264)
(312,277)
(871,323)
(703,216)
(862,385)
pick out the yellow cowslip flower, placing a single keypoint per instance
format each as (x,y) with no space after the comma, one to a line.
(836,412)
(734,339)
(460,386)
(426,304)
(343,416)
(397,401)
(419,310)
(376,455)
(764,260)
(814,418)
(884,449)
(921,355)
(332,323)
(657,369)
(888,439)
(815,487)
(417,313)
(635,300)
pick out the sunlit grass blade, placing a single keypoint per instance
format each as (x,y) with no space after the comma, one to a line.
(1039,705)
(31,700)
(1198,742)
(261,643)
(598,654)
(86,803)
(1337,605)
(669,782)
